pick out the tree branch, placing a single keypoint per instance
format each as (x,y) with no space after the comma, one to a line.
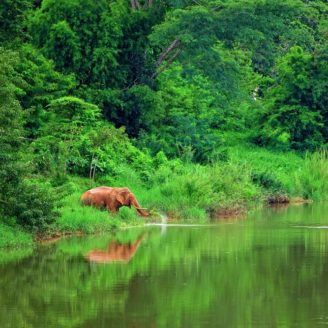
(197,3)
(176,43)
(167,64)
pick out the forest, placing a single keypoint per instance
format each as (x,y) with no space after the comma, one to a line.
(200,107)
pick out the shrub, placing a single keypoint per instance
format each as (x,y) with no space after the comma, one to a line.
(35,206)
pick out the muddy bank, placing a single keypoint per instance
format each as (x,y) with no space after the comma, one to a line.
(280,198)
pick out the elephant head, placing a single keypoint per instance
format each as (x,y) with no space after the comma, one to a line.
(127,198)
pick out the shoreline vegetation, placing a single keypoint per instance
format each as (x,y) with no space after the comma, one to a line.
(203,109)
(188,194)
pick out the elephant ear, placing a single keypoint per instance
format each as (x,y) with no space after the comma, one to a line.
(122,197)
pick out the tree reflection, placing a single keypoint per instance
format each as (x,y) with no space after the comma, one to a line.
(264,271)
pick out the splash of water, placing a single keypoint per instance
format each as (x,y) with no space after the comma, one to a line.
(312,227)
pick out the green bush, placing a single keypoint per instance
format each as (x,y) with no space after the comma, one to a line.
(35,206)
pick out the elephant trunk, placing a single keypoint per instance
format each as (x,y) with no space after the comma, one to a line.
(142,211)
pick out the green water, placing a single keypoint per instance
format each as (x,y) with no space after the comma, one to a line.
(269,270)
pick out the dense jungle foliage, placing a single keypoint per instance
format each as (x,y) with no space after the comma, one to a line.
(194,105)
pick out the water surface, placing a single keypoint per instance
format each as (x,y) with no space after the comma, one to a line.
(269,270)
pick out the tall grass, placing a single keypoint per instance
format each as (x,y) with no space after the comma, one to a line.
(194,193)
(311,178)
(286,172)
(272,170)
(199,191)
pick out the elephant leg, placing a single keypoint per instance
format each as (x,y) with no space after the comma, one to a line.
(112,209)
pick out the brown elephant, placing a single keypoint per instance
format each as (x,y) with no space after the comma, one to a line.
(112,199)
(115,252)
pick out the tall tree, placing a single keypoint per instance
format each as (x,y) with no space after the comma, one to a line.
(295,116)
(20,200)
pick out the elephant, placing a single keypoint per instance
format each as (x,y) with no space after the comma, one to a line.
(112,199)
(115,252)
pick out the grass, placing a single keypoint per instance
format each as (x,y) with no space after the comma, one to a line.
(272,170)
(200,191)
(14,236)
(194,192)
(311,177)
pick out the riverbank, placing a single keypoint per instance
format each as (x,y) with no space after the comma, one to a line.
(191,193)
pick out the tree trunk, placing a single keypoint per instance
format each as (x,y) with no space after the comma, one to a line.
(91,167)
(137,4)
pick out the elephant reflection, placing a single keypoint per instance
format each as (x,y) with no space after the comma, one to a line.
(115,252)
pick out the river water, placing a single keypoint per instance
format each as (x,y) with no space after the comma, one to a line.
(267,270)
